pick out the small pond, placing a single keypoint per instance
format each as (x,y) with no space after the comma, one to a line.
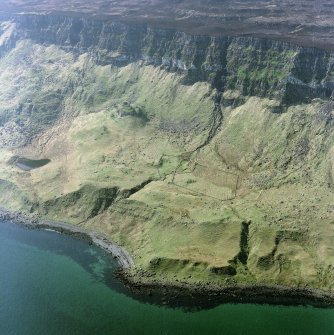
(27,164)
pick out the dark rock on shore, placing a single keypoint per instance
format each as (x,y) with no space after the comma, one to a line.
(191,296)
(121,255)
(179,293)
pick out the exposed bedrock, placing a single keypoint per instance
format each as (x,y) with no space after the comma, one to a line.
(207,158)
(248,65)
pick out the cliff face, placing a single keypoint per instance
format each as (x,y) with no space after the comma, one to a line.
(303,22)
(206,157)
(251,66)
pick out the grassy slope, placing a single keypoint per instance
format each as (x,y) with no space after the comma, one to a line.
(108,129)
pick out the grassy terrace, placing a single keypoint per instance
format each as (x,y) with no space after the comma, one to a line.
(254,203)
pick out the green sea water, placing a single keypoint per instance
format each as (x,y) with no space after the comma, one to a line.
(53,284)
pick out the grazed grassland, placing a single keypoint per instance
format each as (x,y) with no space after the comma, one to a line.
(123,144)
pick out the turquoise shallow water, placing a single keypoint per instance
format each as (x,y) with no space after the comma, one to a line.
(53,284)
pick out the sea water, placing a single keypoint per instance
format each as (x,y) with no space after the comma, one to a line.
(54,284)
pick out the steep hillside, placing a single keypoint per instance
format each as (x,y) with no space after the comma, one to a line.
(208,158)
(306,23)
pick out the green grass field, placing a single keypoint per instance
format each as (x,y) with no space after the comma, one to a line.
(124,161)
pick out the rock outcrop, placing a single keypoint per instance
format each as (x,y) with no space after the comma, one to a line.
(248,65)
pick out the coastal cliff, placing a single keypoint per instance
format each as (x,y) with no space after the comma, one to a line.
(252,66)
(209,158)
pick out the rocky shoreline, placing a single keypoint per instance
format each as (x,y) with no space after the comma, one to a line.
(179,294)
(122,256)
(209,295)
